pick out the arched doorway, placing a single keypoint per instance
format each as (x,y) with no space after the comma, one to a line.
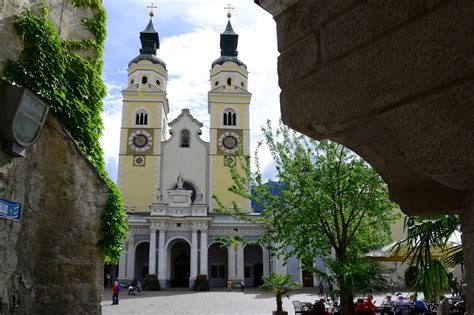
(217,265)
(179,259)
(142,254)
(257,275)
(253,265)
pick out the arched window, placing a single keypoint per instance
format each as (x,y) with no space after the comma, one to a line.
(229,117)
(184,139)
(141,118)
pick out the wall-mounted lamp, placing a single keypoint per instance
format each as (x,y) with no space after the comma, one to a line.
(22,116)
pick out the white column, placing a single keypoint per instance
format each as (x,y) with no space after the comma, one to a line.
(203,270)
(280,268)
(231,262)
(266,262)
(131,257)
(161,257)
(240,261)
(152,255)
(122,265)
(194,247)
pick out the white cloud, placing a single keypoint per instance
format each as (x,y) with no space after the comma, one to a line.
(189,50)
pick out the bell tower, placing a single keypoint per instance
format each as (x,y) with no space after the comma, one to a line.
(228,106)
(144,124)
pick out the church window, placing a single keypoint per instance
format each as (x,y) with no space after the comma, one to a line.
(229,81)
(141,118)
(216,83)
(218,271)
(158,82)
(184,139)
(144,79)
(242,84)
(132,81)
(229,117)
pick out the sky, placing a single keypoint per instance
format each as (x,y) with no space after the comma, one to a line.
(189,32)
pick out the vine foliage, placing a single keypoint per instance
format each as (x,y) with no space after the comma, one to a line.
(71,84)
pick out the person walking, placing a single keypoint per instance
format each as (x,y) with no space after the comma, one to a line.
(115,293)
(242,285)
(321,288)
(229,285)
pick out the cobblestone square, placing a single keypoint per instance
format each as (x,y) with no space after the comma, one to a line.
(215,302)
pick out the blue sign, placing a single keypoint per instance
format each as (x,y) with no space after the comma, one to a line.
(10,210)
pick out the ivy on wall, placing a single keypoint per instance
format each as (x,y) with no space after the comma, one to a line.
(72,85)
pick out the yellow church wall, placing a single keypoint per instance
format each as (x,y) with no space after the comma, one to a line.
(133,106)
(223,177)
(241,109)
(138,189)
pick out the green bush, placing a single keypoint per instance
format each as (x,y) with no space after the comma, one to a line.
(201,283)
(151,283)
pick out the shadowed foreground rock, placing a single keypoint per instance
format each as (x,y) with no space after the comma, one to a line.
(393,81)
(49,262)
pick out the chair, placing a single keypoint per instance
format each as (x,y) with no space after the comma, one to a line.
(297,306)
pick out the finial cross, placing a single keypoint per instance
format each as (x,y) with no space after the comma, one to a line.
(228,8)
(151,7)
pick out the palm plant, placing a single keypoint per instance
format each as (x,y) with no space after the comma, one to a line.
(280,285)
(424,236)
(354,276)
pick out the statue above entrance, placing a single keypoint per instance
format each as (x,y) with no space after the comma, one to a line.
(180,181)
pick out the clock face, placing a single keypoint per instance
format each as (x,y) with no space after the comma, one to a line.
(229,142)
(140,140)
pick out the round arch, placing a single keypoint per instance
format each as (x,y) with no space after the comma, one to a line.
(253,264)
(217,264)
(142,255)
(179,261)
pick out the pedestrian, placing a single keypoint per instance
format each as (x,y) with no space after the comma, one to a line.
(115,293)
(139,287)
(321,288)
(242,285)
(229,285)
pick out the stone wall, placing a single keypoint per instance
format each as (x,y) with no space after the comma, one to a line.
(66,18)
(392,80)
(49,260)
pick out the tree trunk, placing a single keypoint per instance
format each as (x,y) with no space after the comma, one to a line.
(347,303)
(279,303)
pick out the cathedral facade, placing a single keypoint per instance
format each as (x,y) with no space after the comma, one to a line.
(168,175)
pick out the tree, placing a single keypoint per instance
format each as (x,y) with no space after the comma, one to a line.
(280,285)
(330,198)
(425,236)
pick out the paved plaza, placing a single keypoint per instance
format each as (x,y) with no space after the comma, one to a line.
(215,302)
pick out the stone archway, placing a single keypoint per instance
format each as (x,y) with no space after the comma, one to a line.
(217,265)
(142,254)
(253,265)
(179,263)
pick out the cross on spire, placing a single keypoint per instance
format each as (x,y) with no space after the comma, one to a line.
(151,9)
(228,8)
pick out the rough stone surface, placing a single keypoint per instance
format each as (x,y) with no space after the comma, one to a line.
(66,18)
(393,82)
(49,260)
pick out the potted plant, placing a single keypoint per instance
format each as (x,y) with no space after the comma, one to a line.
(151,283)
(280,285)
(201,283)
